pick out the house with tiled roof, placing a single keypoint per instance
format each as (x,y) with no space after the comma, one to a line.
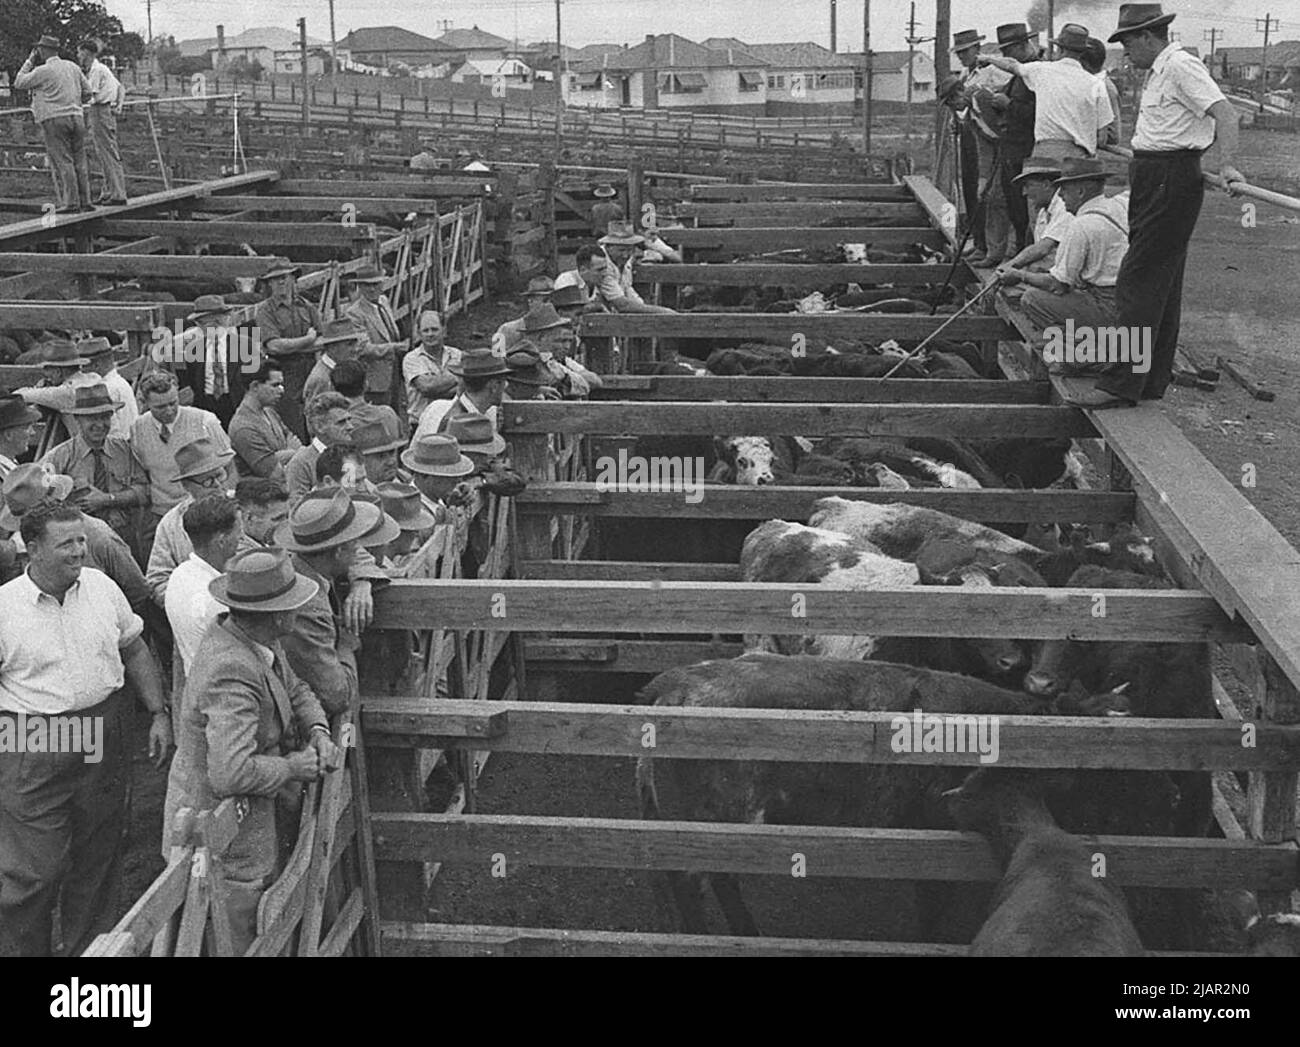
(889,73)
(385,45)
(671,72)
(802,74)
(476,45)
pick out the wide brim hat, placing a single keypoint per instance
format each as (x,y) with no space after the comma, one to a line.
(1073,37)
(1133,18)
(27,485)
(15,412)
(479,363)
(376,438)
(200,459)
(283,267)
(437,455)
(63,354)
(337,331)
(539,287)
(326,519)
(93,399)
(622,234)
(1081,170)
(568,297)
(469,430)
(604,190)
(48,42)
(385,531)
(208,305)
(262,580)
(1015,33)
(543,318)
(94,348)
(404,506)
(1039,167)
(966,39)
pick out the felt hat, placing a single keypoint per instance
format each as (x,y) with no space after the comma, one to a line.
(543,317)
(385,529)
(94,348)
(539,287)
(326,519)
(568,297)
(1039,167)
(1073,37)
(621,232)
(1133,18)
(525,365)
(479,363)
(375,438)
(208,305)
(437,455)
(476,434)
(282,267)
(93,399)
(403,503)
(1014,33)
(48,42)
(1081,169)
(604,190)
(198,457)
(27,485)
(15,412)
(63,354)
(341,330)
(367,274)
(262,580)
(966,38)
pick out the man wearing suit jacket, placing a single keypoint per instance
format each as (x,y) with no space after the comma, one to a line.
(250,729)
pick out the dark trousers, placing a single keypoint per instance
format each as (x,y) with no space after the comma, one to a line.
(62,823)
(1167,192)
(968,154)
(1013,162)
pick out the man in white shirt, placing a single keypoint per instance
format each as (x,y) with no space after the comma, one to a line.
(594,276)
(1182,114)
(1037,182)
(165,427)
(106,98)
(1080,286)
(426,368)
(215,532)
(1072,107)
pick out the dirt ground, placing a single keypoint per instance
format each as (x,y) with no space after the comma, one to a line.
(1239,302)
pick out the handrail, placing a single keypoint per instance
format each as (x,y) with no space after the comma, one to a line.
(1268,196)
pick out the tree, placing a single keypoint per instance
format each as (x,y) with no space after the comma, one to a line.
(127,48)
(242,69)
(70,20)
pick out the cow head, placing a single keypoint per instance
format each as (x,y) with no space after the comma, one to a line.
(750,458)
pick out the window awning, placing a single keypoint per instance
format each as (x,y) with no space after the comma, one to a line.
(751,79)
(589,79)
(691,80)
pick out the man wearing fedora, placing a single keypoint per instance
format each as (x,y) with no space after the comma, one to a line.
(289,325)
(61,362)
(258,434)
(325,532)
(540,291)
(111,480)
(621,246)
(57,88)
(1072,109)
(31,485)
(426,368)
(103,362)
(199,468)
(17,432)
(384,343)
(1080,286)
(435,464)
(69,643)
(978,137)
(250,729)
(212,374)
(348,379)
(1182,114)
(529,379)
(332,423)
(342,339)
(553,337)
(482,385)
(1037,182)
(1018,118)
(606,209)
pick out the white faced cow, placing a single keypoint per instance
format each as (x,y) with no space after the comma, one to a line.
(900,530)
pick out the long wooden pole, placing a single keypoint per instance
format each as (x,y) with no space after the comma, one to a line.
(866,77)
(559,86)
(1268,196)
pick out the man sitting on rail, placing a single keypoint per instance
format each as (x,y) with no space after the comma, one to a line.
(594,276)
(1081,284)
(623,246)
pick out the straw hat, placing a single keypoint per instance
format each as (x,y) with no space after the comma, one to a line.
(436,455)
(1074,37)
(604,191)
(621,232)
(262,580)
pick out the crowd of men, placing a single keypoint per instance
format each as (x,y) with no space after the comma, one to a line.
(73,102)
(208,544)
(1028,133)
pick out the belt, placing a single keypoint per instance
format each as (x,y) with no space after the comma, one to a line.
(1167,154)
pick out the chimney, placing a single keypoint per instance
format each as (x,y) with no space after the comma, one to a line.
(221,43)
(730,59)
(650,39)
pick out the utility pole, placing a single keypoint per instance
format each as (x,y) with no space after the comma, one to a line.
(1051,28)
(912,41)
(302,57)
(866,77)
(942,37)
(148,15)
(559,86)
(1264,25)
(1212,35)
(833,27)
(334,44)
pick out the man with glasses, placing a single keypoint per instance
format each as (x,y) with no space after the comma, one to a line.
(200,468)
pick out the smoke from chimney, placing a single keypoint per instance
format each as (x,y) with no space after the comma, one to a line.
(1100,16)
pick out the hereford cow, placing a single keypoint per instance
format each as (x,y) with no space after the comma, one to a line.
(900,530)
(888,796)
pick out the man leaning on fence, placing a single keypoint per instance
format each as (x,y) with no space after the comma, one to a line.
(250,729)
(69,642)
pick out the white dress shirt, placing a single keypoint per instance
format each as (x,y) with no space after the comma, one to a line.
(1072,104)
(190,607)
(1175,102)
